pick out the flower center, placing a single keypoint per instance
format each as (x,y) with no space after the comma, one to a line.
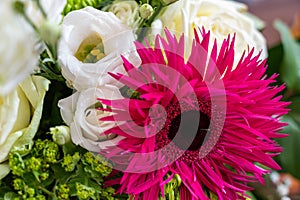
(188,130)
(91,49)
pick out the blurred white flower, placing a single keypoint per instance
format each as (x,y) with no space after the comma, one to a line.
(18,56)
(126,11)
(52,8)
(80,112)
(90,34)
(220,17)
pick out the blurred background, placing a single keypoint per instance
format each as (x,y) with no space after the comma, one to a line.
(269,10)
(284,59)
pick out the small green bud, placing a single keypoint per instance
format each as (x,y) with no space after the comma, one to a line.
(85,192)
(146,11)
(30,191)
(63,192)
(16,164)
(19,7)
(69,162)
(33,164)
(40,197)
(50,32)
(60,134)
(50,151)
(18,184)
(44,176)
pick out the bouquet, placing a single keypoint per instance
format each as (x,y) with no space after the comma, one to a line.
(126,99)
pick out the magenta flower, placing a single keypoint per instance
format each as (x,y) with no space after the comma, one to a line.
(201,119)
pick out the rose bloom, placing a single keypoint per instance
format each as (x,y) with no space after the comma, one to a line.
(18,57)
(80,112)
(20,114)
(221,18)
(126,11)
(91,45)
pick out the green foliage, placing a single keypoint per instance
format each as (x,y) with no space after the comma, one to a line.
(284,59)
(51,171)
(290,70)
(289,158)
(79,4)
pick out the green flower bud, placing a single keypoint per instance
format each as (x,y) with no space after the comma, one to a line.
(33,164)
(63,192)
(18,184)
(50,151)
(146,11)
(50,32)
(69,162)
(16,164)
(19,7)
(60,134)
(30,191)
(85,192)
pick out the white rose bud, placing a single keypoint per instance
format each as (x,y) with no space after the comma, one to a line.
(146,11)
(126,11)
(60,134)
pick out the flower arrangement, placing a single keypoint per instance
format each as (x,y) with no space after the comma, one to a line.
(125,99)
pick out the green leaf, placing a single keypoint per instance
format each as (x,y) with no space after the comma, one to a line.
(60,174)
(252,197)
(290,71)
(275,59)
(10,196)
(290,157)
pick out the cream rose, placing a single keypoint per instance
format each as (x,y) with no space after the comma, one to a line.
(80,112)
(18,57)
(220,17)
(126,11)
(91,46)
(20,114)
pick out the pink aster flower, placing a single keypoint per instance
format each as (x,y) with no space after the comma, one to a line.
(197,119)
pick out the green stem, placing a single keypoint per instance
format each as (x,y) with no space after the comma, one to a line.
(147,23)
(31,23)
(46,191)
(41,8)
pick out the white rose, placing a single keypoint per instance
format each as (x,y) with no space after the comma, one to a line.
(80,112)
(18,57)
(126,11)
(221,18)
(82,32)
(20,114)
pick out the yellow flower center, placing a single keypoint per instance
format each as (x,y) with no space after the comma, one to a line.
(91,49)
